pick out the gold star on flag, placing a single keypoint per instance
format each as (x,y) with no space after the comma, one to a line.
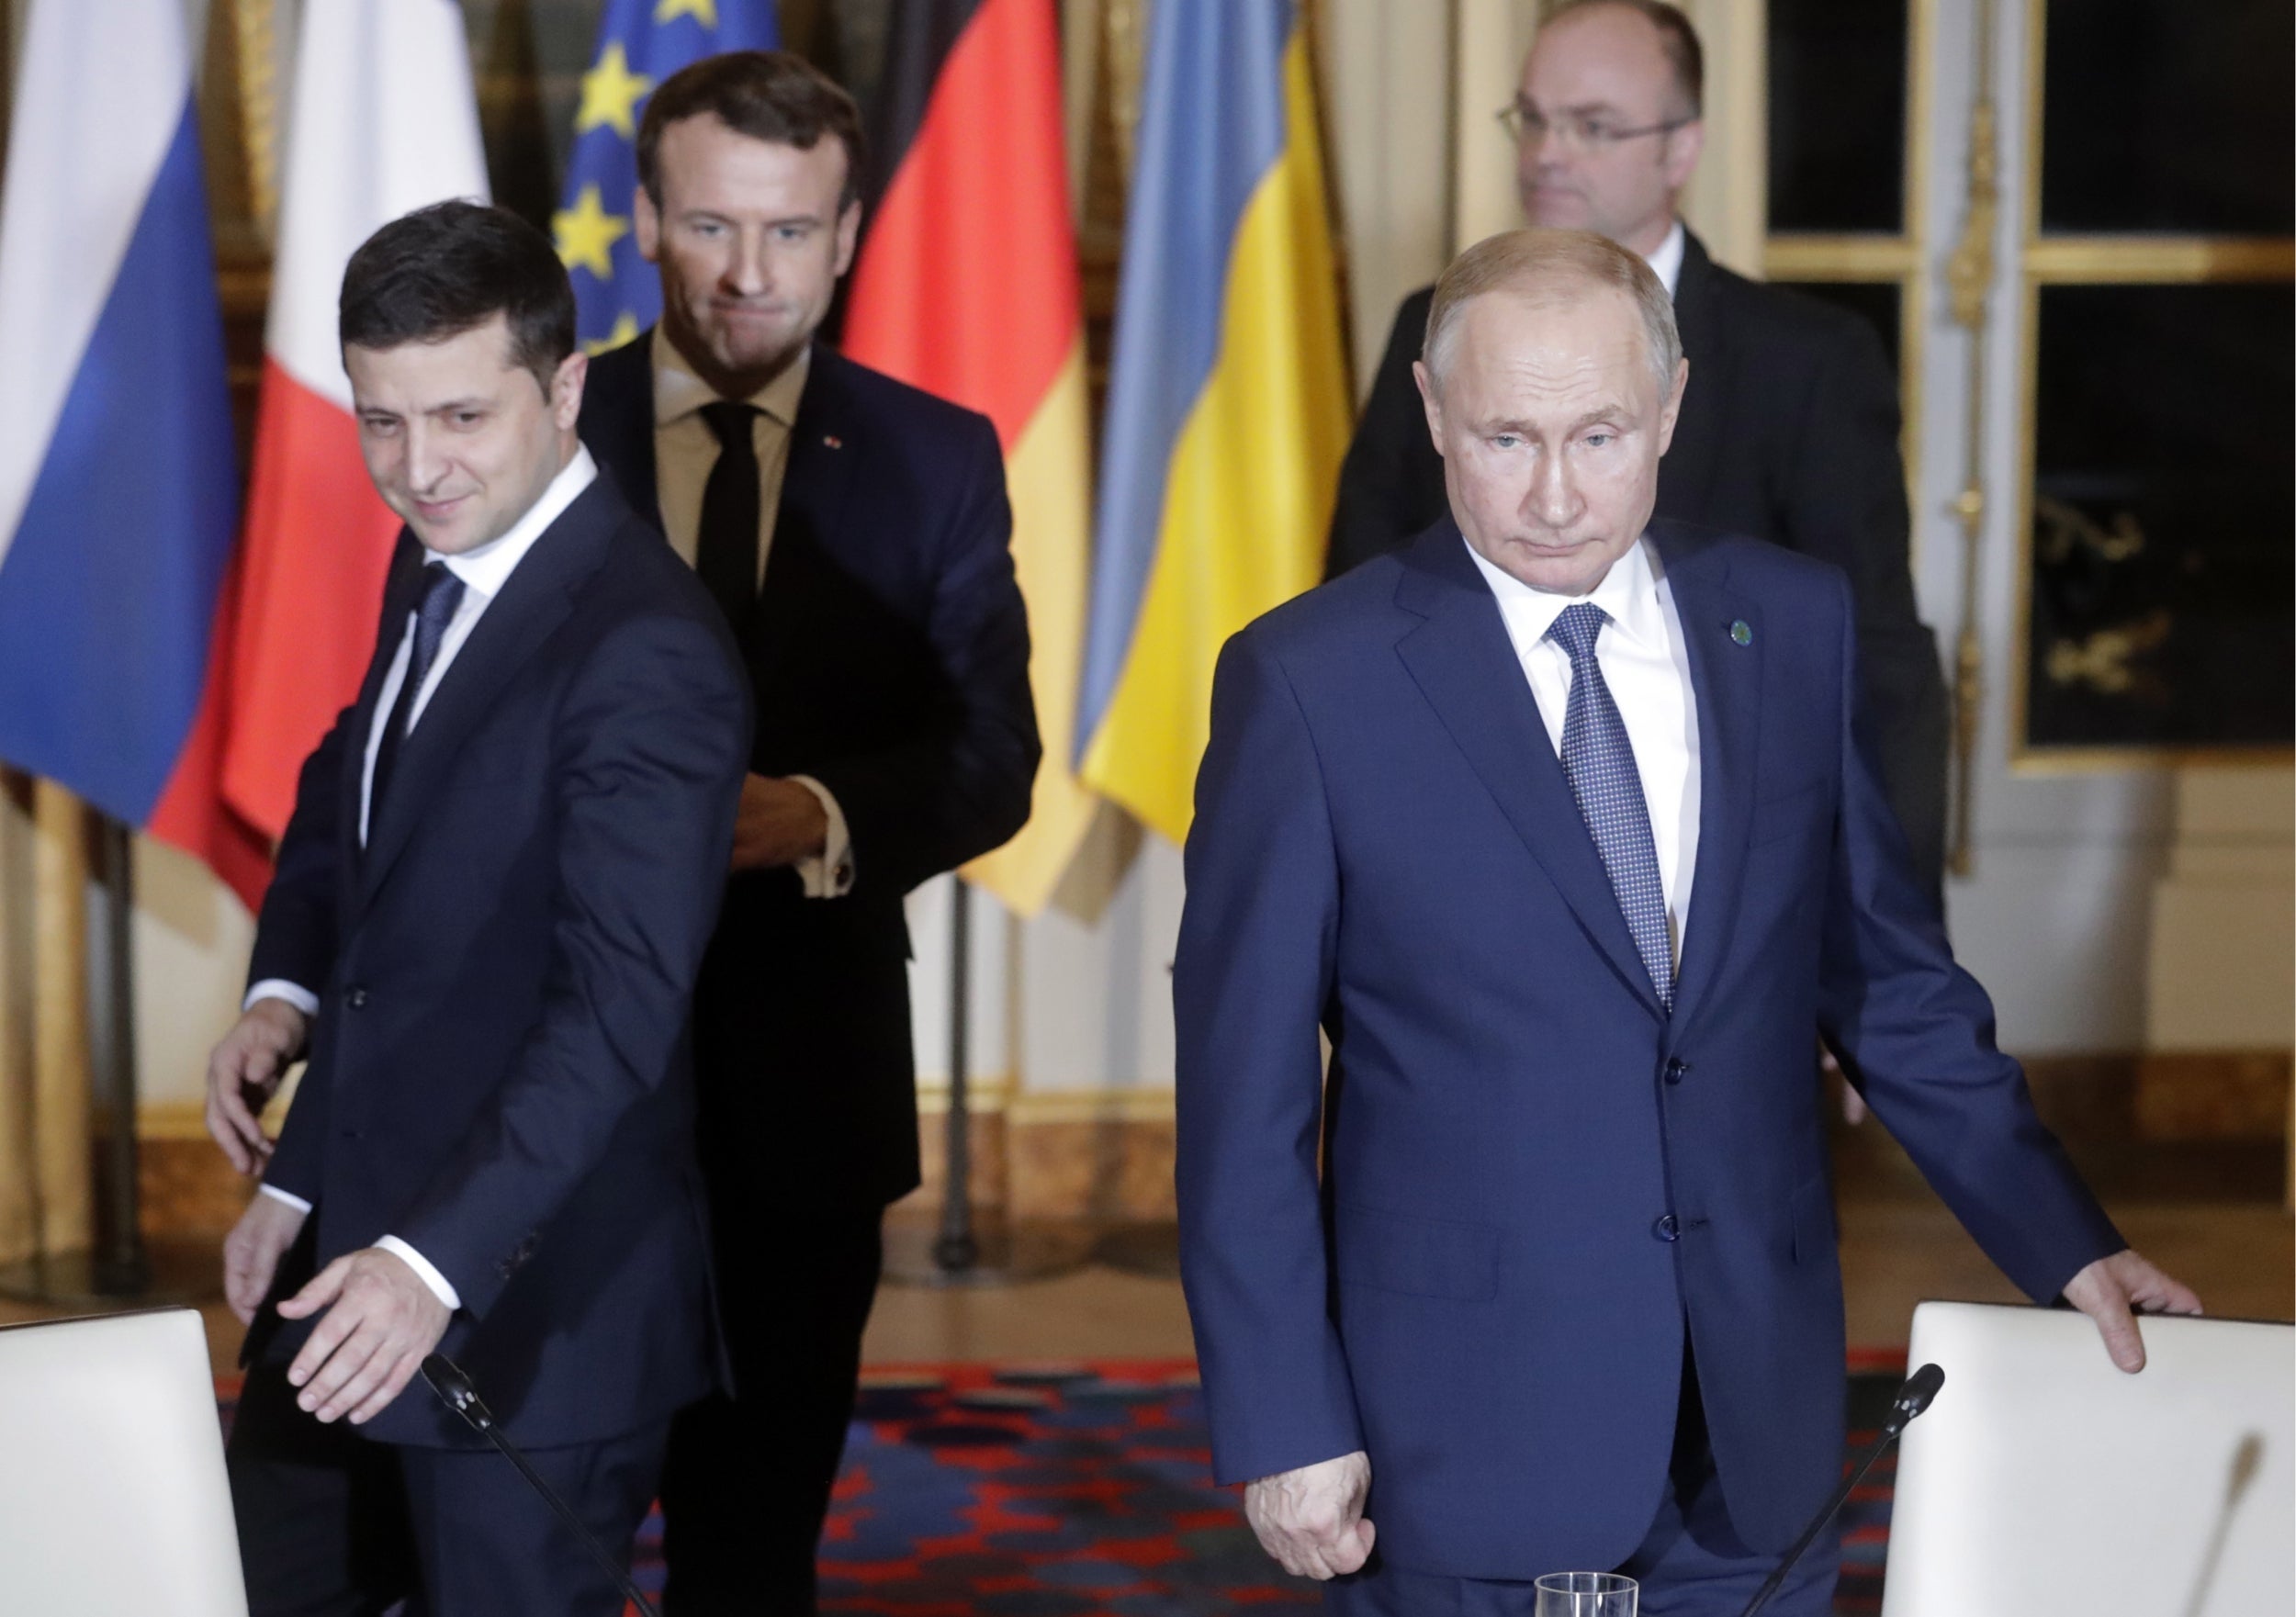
(624,331)
(586,233)
(702,11)
(611,93)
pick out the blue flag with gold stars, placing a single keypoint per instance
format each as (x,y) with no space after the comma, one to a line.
(640,43)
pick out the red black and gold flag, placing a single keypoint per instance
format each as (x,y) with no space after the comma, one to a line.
(966,286)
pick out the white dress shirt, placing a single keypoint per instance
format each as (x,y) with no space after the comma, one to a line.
(483,571)
(1667,262)
(1642,654)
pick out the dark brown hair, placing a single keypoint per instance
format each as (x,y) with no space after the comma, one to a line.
(1677,38)
(765,95)
(451,267)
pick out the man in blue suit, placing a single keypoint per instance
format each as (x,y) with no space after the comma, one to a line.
(1545,1277)
(490,911)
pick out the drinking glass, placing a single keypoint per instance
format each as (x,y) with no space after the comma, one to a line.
(1585,1594)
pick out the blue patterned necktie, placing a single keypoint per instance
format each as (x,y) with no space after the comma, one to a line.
(442,593)
(1599,762)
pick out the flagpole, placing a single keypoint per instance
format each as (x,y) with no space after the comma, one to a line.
(120,1268)
(116,1272)
(963,1253)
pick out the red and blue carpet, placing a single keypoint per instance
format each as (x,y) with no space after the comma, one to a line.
(1084,1491)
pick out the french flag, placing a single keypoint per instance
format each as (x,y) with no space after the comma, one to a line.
(384,120)
(116,475)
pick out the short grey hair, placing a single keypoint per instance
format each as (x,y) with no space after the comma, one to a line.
(1546,264)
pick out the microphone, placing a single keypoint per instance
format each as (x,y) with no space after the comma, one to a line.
(455,1391)
(1912,1398)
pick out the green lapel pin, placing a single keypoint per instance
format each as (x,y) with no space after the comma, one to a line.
(1741,634)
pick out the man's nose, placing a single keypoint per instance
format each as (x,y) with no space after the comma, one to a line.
(426,460)
(1553,499)
(748,272)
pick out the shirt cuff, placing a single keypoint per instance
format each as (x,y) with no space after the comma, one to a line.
(440,1287)
(829,873)
(288,1197)
(295,994)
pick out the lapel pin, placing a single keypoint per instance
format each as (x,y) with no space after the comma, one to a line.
(832,441)
(1741,634)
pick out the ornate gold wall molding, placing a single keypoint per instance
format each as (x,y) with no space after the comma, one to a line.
(1969,275)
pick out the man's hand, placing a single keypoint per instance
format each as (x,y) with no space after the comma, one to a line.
(244,1074)
(252,1250)
(381,1321)
(2114,1290)
(781,822)
(1311,1518)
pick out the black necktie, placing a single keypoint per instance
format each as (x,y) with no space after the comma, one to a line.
(442,593)
(727,555)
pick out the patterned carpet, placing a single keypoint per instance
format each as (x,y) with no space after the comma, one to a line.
(1084,1491)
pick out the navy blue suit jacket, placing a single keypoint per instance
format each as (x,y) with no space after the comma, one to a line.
(500,1073)
(1533,1178)
(889,659)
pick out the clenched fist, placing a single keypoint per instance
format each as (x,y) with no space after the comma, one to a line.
(1312,1520)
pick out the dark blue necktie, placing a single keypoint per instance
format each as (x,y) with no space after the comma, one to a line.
(1599,762)
(442,593)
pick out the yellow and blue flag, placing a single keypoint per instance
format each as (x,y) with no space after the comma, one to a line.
(1228,408)
(640,43)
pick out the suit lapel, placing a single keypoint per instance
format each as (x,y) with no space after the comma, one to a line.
(823,448)
(533,603)
(618,420)
(1686,475)
(1726,680)
(402,584)
(1465,665)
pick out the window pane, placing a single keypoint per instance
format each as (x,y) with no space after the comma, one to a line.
(1838,115)
(2163,115)
(2164,521)
(1876,301)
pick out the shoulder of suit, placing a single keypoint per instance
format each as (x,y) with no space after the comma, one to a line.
(1759,312)
(1334,614)
(1756,566)
(871,392)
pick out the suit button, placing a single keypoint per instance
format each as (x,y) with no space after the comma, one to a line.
(1668,1228)
(355,999)
(1675,1068)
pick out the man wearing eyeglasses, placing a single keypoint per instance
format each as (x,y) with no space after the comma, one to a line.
(1789,424)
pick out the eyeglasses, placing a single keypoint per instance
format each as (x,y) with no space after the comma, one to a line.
(1525,123)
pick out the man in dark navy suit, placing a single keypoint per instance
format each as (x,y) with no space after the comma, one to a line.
(1790,433)
(490,911)
(1564,1294)
(856,535)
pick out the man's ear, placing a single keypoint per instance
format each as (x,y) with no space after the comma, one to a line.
(566,391)
(848,234)
(1430,400)
(1680,153)
(646,217)
(1671,411)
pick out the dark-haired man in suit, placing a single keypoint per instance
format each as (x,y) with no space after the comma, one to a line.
(1789,432)
(490,911)
(856,535)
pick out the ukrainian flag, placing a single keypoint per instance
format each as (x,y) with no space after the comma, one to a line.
(640,43)
(1227,410)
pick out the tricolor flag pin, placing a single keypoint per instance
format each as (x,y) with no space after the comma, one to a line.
(832,441)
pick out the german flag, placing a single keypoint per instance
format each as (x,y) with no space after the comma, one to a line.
(966,287)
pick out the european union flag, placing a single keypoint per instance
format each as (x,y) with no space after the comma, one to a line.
(640,43)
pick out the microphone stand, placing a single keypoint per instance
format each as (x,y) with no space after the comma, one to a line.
(455,1391)
(1912,1398)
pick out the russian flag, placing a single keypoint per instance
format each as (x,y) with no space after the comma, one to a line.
(116,475)
(384,121)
